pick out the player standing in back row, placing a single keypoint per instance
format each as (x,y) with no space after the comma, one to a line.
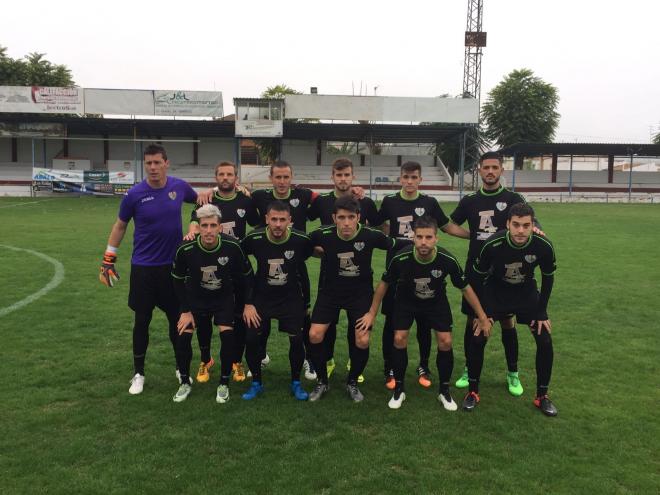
(486,212)
(401,210)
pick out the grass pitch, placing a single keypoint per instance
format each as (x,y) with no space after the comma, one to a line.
(70,426)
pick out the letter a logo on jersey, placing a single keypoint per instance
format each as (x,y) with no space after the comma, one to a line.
(422,289)
(346,266)
(501,205)
(512,274)
(276,275)
(294,202)
(420,211)
(209,280)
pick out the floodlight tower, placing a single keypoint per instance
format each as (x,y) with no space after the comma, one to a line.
(475,41)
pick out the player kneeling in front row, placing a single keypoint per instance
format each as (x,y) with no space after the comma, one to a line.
(207,272)
(280,252)
(417,274)
(507,262)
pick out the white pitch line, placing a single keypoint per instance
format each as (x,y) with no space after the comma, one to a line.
(26,203)
(58,276)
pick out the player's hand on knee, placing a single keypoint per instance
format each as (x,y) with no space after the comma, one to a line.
(186,323)
(250,316)
(365,322)
(539,325)
(109,275)
(482,326)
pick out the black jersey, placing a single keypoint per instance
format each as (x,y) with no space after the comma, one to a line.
(402,213)
(298,200)
(279,265)
(237,212)
(423,282)
(324,204)
(206,280)
(502,262)
(346,264)
(486,212)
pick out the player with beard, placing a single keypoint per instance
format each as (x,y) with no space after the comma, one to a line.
(506,263)
(280,253)
(418,275)
(322,208)
(238,211)
(400,211)
(486,212)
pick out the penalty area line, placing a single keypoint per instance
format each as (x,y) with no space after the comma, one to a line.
(26,203)
(56,280)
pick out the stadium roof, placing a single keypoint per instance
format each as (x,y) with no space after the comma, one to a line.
(160,128)
(581,149)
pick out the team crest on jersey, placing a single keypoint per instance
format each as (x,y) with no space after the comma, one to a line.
(172,195)
(294,202)
(223,260)
(240,212)
(288,254)
(420,211)
(359,245)
(436,273)
(501,205)
(530,258)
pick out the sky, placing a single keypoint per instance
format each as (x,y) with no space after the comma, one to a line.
(603,57)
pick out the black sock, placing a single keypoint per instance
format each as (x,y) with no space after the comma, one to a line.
(239,339)
(172,322)
(510,343)
(358,363)
(399,363)
(253,350)
(140,340)
(316,352)
(184,355)
(388,344)
(476,360)
(424,341)
(330,339)
(296,356)
(544,358)
(467,337)
(204,335)
(227,353)
(444,360)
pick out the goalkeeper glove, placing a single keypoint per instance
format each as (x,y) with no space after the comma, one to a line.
(109,275)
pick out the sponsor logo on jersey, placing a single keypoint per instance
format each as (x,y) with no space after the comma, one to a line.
(436,273)
(359,245)
(420,211)
(223,260)
(294,202)
(240,212)
(172,195)
(148,198)
(288,254)
(422,289)
(530,258)
(209,280)
(346,266)
(501,205)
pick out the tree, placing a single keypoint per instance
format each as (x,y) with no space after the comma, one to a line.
(269,149)
(656,138)
(521,108)
(32,70)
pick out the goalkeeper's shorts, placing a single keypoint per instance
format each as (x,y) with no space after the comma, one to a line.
(150,287)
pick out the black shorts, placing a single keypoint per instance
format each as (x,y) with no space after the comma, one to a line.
(290,316)
(328,305)
(222,317)
(436,317)
(150,287)
(501,302)
(387,307)
(473,280)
